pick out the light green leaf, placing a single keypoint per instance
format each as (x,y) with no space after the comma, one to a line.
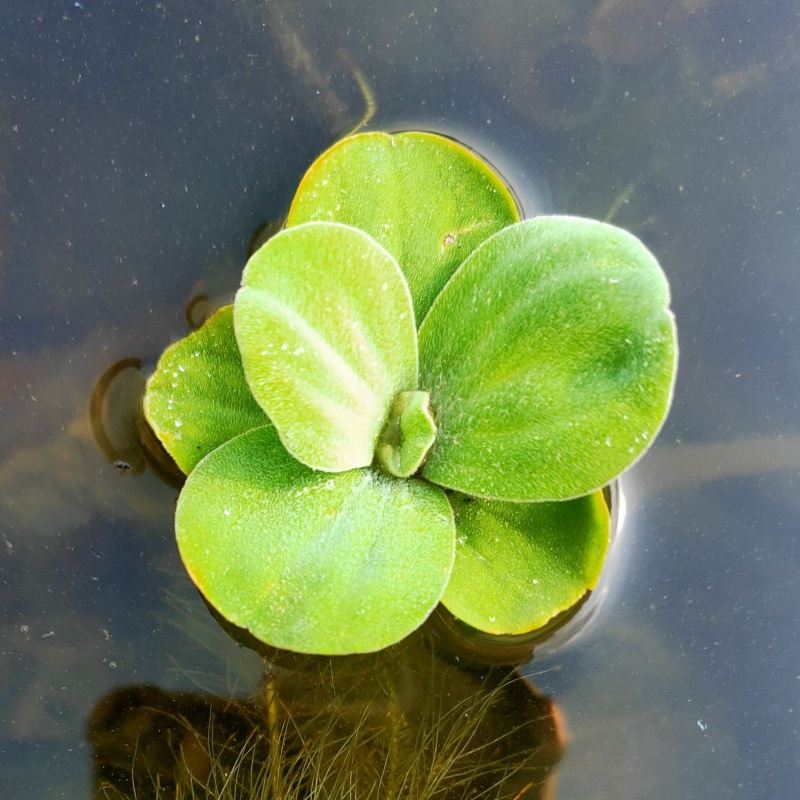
(518,565)
(309,561)
(198,397)
(326,332)
(550,359)
(427,200)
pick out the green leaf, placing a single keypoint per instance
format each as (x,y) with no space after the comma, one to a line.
(309,561)
(198,397)
(326,332)
(518,565)
(550,359)
(427,200)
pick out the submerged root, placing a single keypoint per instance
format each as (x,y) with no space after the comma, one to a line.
(498,740)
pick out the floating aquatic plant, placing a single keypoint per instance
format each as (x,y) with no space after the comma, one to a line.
(414,398)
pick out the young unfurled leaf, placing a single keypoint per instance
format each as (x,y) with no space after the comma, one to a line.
(198,397)
(549,358)
(407,436)
(326,331)
(426,199)
(309,561)
(520,564)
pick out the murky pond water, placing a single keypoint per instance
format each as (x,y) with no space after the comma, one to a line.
(141,144)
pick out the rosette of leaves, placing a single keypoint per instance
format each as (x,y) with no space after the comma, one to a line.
(414,398)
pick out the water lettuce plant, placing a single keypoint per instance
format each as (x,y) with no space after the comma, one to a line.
(415,397)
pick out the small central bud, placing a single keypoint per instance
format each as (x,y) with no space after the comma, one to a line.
(408,434)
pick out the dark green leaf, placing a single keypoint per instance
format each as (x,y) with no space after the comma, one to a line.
(550,358)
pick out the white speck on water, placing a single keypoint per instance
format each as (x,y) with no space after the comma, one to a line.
(331,484)
(284,346)
(535,581)
(178,423)
(462,539)
(702,725)
(608,441)
(384,287)
(645,434)
(492,619)
(613,280)
(299,351)
(227,512)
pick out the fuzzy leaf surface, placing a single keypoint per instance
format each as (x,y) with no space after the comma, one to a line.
(198,397)
(309,561)
(326,332)
(560,369)
(518,565)
(427,200)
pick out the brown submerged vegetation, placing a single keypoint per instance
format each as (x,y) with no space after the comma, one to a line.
(400,724)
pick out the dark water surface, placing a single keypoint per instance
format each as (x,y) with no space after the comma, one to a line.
(141,143)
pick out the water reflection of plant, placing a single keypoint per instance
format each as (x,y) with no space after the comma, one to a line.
(405,723)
